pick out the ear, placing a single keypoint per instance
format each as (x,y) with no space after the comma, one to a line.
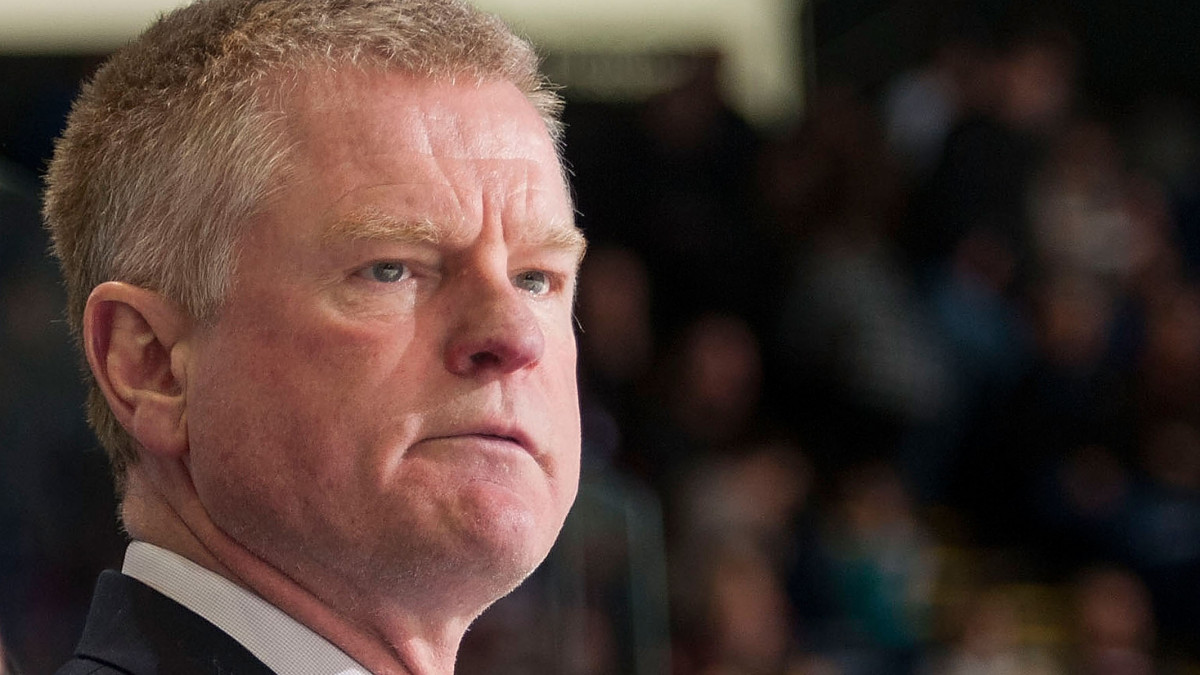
(133,339)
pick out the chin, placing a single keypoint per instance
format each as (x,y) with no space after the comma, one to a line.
(507,534)
(506,520)
(481,538)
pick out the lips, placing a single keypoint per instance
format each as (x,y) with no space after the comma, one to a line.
(502,433)
(499,437)
(505,433)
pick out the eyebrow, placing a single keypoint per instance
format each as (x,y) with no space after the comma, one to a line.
(373,224)
(558,235)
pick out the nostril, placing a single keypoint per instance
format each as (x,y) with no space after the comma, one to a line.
(485,359)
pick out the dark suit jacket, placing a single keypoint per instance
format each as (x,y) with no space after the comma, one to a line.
(133,629)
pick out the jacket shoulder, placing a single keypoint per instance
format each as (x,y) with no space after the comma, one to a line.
(78,666)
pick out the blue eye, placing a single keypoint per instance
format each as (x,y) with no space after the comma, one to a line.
(387,272)
(533,281)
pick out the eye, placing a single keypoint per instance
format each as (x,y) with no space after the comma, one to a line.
(386,272)
(533,281)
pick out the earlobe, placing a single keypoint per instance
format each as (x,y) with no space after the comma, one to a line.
(134,342)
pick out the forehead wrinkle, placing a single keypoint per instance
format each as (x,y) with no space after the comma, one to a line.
(553,233)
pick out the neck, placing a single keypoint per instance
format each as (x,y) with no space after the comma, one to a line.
(388,636)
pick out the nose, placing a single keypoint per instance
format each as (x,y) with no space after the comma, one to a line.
(495,332)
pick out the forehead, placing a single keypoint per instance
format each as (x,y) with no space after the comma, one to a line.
(440,149)
(330,112)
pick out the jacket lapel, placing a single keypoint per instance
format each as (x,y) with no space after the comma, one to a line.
(133,627)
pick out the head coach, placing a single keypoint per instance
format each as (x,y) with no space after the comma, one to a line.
(320,256)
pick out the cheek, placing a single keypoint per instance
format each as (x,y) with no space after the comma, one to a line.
(309,363)
(299,402)
(561,404)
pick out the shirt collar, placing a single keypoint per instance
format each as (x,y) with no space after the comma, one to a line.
(279,641)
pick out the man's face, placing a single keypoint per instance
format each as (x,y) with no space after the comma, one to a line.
(388,395)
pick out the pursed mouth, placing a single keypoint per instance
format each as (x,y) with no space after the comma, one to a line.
(500,440)
(485,435)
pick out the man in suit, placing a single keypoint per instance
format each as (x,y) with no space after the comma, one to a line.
(320,256)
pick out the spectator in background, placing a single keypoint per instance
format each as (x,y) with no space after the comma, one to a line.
(709,389)
(922,105)
(1115,625)
(755,494)
(884,571)
(1162,536)
(732,548)
(860,356)
(982,179)
(1169,369)
(1079,217)
(748,627)
(989,642)
(690,174)
(616,351)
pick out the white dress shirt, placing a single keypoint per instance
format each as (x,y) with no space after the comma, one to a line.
(283,644)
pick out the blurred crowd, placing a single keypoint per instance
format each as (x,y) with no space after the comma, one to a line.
(911,387)
(917,381)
